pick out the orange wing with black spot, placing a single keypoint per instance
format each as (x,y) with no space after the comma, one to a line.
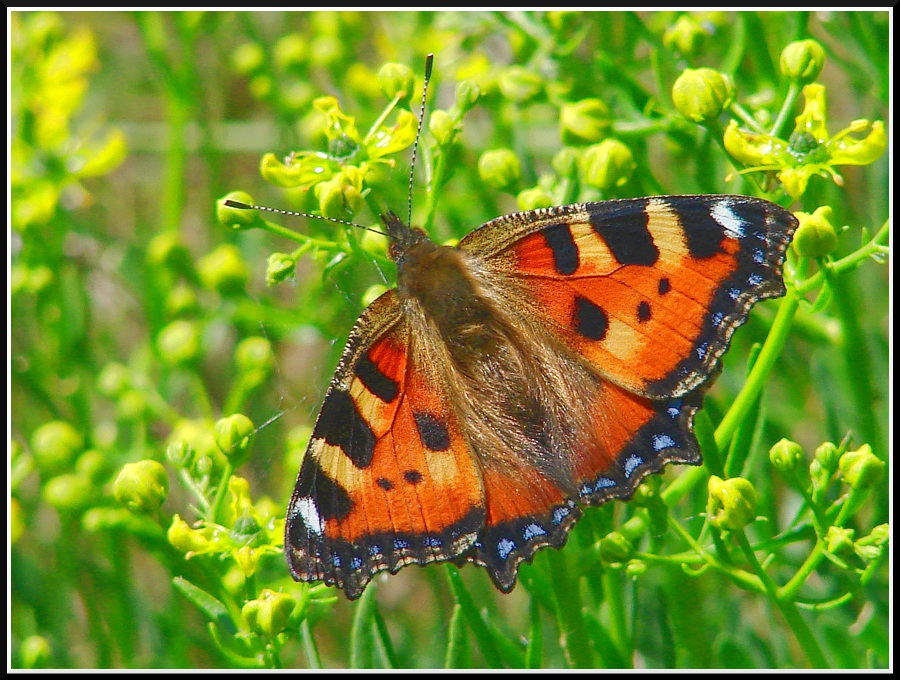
(386,480)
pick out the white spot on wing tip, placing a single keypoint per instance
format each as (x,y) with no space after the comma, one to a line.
(731,223)
(306,509)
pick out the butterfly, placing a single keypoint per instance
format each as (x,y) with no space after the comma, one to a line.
(551,360)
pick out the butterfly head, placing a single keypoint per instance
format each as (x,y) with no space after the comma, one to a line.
(403,238)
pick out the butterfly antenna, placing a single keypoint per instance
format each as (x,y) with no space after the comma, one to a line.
(429,61)
(245,206)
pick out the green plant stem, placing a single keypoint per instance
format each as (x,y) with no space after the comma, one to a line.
(222,489)
(302,239)
(309,645)
(787,108)
(759,374)
(740,577)
(876,245)
(808,643)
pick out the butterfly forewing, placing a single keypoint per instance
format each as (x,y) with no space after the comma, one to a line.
(648,290)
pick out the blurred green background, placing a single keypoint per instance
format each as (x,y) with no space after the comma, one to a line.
(138,321)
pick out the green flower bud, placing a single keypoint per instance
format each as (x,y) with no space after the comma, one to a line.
(223,270)
(181,301)
(291,51)
(179,454)
(871,547)
(820,478)
(248,58)
(614,547)
(279,267)
(607,165)
(701,95)
(732,503)
(815,236)
(499,168)
(35,652)
(786,455)
(396,80)
(234,435)
(519,85)
(802,61)
(237,218)
(839,541)
(92,464)
(828,456)
(565,162)
(142,487)
(584,122)
(69,493)
(185,539)
(467,93)
(55,445)
(167,250)
(190,441)
(338,198)
(269,614)
(635,568)
(861,469)
(531,199)
(443,128)
(686,36)
(179,343)
(254,354)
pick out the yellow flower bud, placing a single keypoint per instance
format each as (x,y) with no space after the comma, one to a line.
(224,270)
(396,79)
(815,236)
(785,455)
(614,547)
(55,446)
(861,469)
(179,343)
(607,165)
(234,435)
(802,61)
(279,267)
(732,503)
(701,95)
(531,199)
(236,218)
(519,85)
(442,127)
(499,168)
(584,122)
(142,487)
(269,614)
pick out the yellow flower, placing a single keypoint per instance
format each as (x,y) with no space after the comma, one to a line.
(349,159)
(810,150)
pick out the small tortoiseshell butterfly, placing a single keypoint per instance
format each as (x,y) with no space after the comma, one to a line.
(553,358)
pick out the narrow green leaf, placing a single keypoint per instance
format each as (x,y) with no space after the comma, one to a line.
(214,610)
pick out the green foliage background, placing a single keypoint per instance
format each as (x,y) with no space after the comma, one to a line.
(139,321)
